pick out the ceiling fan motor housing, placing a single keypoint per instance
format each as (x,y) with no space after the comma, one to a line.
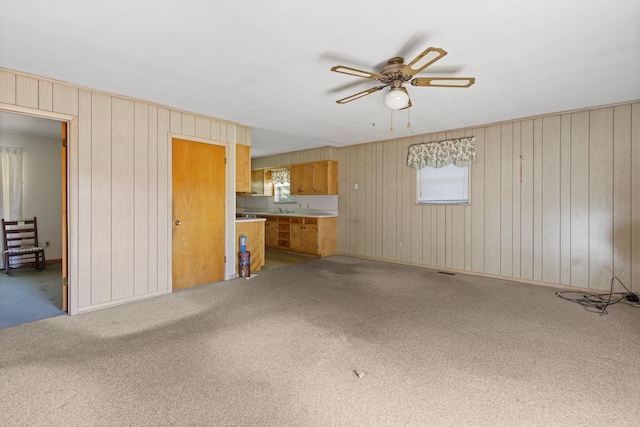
(393,71)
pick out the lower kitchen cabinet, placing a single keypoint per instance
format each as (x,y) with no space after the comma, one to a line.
(309,235)
(271,232)
(304,235)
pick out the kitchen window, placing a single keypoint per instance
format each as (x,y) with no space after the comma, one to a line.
(281,186)
(282,193)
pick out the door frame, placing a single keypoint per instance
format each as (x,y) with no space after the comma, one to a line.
(68,257)
(230,200)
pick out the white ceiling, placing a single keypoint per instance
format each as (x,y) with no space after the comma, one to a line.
(266,64)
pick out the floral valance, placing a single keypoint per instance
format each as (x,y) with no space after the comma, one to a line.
(280,176)
(461,152)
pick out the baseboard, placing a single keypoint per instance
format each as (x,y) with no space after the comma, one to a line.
(555,286)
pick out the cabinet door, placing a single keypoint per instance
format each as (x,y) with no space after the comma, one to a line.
(307,179)
(301,177)
(271,232)
(243,168)
(321,177)
(295,179)
(297,237)
(310,239)
(257,181)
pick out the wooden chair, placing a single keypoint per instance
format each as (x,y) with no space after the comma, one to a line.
(21,244)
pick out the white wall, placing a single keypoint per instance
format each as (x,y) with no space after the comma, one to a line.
(304,204)
(41,186)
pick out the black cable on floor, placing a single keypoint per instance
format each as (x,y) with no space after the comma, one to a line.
(598,303)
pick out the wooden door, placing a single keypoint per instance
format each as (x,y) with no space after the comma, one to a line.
(243,168)
(295,179)
(296,234)
(321,177)
(310,237)
(271,232)
(257,181)
(198,213)
(307,179)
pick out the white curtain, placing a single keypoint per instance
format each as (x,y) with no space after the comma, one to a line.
(11,188)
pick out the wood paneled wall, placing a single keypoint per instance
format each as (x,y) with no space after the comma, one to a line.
(544,191)
(119,184)
(302,156)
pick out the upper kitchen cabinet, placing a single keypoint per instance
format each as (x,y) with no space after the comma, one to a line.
(243,168)
(314,178)
(261,184)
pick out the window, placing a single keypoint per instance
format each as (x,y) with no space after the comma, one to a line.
(282,193)
(281,186)
(446,185)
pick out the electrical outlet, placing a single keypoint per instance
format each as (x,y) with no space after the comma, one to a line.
(575,262)
(47,244)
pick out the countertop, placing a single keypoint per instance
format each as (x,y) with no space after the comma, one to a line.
(243,219)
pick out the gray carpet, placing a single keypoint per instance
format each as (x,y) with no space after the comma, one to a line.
(27,295)
(337,341)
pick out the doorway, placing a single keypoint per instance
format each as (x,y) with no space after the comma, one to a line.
(198,205)
(27,294)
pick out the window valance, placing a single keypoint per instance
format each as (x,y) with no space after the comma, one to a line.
(461,152)
(280,176)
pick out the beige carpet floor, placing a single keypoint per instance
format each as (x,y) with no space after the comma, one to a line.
(337,341)
(279,259)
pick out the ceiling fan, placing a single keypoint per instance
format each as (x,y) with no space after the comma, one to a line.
(396,73)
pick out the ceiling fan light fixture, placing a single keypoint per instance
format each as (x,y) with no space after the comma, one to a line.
(396,99)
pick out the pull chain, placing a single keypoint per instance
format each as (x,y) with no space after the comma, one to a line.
(391,128)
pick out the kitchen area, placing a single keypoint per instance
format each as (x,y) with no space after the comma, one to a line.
(291,212)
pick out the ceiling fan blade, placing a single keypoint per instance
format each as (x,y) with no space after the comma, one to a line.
(444,81)
(360,94)
(422,61)
(356,72)
(409,104)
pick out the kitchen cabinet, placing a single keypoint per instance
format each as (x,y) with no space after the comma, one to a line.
(310,235)
(284,232)
(271,232)
(314,178)
(261,184)
(243,168)
(304,235)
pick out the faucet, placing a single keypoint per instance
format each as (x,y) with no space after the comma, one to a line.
(280,209)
